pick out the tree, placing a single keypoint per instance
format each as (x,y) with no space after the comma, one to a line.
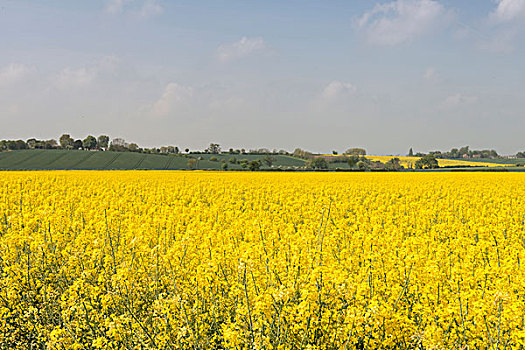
(317,163)
(31,143)
(192,163)
(77,144)
(393,164)
(361,165)
(454,153)
(118,145)
(133,147)
(214,148)
(353,160)
(103,142)
(300,153)
(427,162)
(356,151)
(254,165)
(66,141)
(224,166)
(410,152)
(172,149)
(90,142)
(187,150)
(16,145)
(464,151)
(50,144)
(268,160)
(335,153)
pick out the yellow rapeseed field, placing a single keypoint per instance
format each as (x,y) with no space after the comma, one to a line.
(409,162)
(182,260)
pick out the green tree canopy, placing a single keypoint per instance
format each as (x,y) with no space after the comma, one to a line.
(427,162)
(66,141)
(103,141)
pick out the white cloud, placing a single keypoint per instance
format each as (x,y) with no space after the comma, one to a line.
(458,100)
(173,95)
(151,8)
(116,6)
(431,75)
(144,9)
(337,89)
(508,10)
(14,72)
(242,48)
(70,78)
(402,21)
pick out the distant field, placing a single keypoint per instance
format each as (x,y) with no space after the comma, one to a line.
(407,161)
(499,161)
(92,160)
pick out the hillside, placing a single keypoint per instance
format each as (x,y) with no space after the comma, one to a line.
(95,160)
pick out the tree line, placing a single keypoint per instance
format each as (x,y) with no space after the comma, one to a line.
(90,142)
(462,152)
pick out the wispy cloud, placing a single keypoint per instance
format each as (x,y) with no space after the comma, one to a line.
(14,72)
(172,97)
(458,100)
(144,9)
(116,6)
(504,26)
(508,10)
(242,48)
(402,21)
(70,78)
(432,75)
(337,89)
(151,8)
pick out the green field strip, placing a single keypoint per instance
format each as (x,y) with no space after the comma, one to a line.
(111,161)
(97,160)
(23,157)
(60,156)
(168,163)
(127,160)
(77,163)
(154,162)
(4,155)
(179,162)
(6,160)
(71,159)
(206,164)
(41,161)
(288,161)
(137,166)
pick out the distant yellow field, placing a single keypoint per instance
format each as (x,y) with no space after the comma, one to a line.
(237,260)
(410,161)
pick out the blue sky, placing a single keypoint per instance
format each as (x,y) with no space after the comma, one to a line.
(321,75)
